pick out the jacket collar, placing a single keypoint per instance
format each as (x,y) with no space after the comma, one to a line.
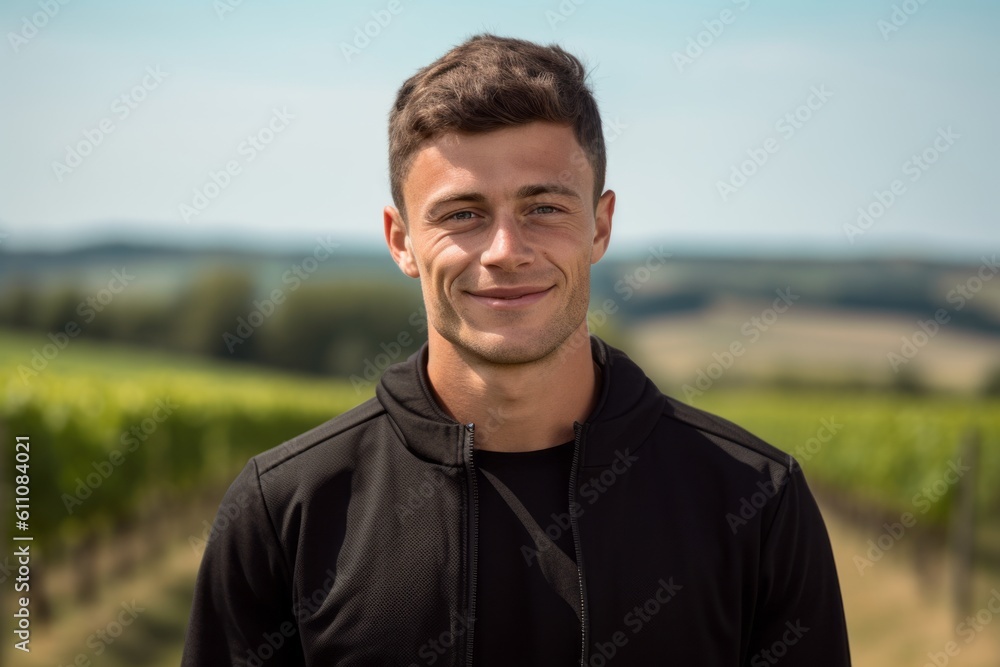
(627,409)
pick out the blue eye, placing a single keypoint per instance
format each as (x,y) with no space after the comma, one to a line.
(455,216)
(552,209)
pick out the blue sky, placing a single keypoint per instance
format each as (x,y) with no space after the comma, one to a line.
(199,79)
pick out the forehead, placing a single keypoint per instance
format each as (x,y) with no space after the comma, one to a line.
(498,162)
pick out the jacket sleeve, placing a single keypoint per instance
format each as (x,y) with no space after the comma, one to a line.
(799,617)
(242,609)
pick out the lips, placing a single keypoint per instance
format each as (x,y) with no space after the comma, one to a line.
(508,292)
(507,297)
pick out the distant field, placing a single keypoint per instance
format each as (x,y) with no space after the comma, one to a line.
(812,343)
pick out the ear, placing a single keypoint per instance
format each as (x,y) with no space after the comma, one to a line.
(602,225)
(397,237)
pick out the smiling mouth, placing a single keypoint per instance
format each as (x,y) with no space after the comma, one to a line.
(510,296)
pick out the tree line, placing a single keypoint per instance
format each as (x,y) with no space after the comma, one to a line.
(325,327)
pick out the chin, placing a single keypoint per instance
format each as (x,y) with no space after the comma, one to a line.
(522,347)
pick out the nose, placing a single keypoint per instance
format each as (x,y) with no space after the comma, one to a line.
(508,247)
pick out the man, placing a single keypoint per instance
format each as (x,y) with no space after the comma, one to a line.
(518,492)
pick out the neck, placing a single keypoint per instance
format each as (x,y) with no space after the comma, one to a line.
(516,407)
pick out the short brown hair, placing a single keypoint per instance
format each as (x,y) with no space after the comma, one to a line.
(489,82)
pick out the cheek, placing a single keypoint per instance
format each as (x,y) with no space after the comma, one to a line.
(446,257)
(572,258)
(440,265)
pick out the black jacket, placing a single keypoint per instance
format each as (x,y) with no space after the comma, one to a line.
(355,543)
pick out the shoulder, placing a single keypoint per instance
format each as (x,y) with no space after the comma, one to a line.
(333,440)
(728,441)
(260,507)
(754,480)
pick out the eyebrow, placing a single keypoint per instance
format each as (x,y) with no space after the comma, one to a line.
(524,192)
(472,196)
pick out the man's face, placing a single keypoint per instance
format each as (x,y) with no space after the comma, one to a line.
(502,231)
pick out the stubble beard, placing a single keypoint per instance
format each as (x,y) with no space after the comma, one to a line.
(532,346)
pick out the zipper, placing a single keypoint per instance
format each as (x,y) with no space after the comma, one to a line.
(577,442)
(470,621)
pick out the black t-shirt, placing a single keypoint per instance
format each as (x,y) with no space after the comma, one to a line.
(520,618)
